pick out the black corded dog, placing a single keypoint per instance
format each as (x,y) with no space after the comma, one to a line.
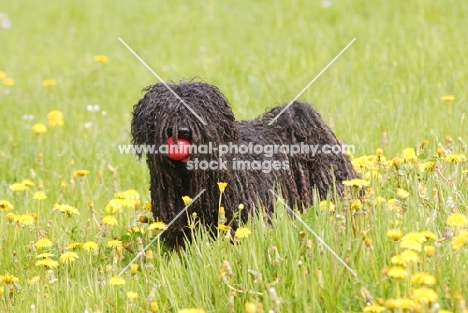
(266,155)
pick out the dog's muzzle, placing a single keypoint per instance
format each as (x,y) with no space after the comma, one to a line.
(179,151)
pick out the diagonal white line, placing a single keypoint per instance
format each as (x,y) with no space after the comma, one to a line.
(162,81)
(315,234)
(140,253)
(313,80)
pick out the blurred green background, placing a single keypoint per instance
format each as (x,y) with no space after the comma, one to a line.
(384,92)
(407,55)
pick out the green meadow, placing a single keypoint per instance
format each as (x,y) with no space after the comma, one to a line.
(74,211)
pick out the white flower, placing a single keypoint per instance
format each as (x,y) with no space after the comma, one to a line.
(4,21)
(326,3)
(93,107)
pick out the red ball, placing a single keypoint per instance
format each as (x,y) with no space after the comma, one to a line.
(180,151)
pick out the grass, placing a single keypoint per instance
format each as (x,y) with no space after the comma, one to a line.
(383,92)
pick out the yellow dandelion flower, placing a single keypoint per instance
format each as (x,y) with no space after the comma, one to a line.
(80,173)
(40,195)
(395,234)
(400,303)
(191,310)
(396,162)
(120,195)
(6,205)
(114,244)
(427,166)
(411,244)
(132,295)
(8,82)
(397,272)
(457,219)
(357,183)
(8,279)
(23,219)
(362,163)
(379,152)
(47,263)
(73,245)
(222,227)
(409,155)
(44,255)
(109,220)
(157,225)
(455,158)
(424,295)
(101,59)
(416,236)
(116,280)
(49,82)
(65,209)
(2,75)
(380,200)
(129,203)
(356,204)
(448,98)
(27,182)
(398,260)
(429,250)
(373,308)
(154,307)
(402,194)
(55,118)
(132,194)
(11,217)
(459,241)
(250,307)
(148,206)
(429,235)
(128,194)
(186,200)
(43,243)
(39,128)
(222,186)
(90,246)
(242,232)
(134,269)
(135,230)
(440,152)
(324,205)
(18,187)
(68,257)
(423,278)
(149,255)
(34,281)
(410,256)
(375,175)
(114,205)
